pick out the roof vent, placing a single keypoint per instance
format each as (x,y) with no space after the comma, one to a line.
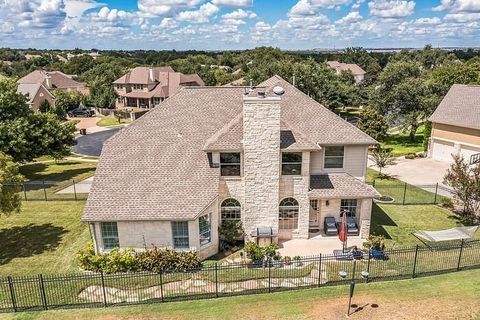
(278,90)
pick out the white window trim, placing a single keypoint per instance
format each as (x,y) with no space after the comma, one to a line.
(209,220)
(343,159)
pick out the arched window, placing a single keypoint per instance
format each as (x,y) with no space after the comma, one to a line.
(230,210)
(288,214)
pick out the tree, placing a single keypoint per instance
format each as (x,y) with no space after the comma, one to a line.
(45,107)
(10,180)
(465,182)
(25,135)
(373,124)
(65,101)
(427,134)
(382,158)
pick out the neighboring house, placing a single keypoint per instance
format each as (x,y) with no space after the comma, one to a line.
(357,71)
(270,157)
(456,125)
(36,94)
(54,80)
(145,87)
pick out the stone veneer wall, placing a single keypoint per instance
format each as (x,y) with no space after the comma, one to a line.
(261,138)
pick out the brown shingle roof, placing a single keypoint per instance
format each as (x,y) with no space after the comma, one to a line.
(340,66)
(58,79)
(141,75)
(30,90)
(460,107)
(156,168)
(339,185)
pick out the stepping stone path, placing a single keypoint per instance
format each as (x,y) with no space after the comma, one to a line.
(95,293)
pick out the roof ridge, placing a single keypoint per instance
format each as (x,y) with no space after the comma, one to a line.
(222,131)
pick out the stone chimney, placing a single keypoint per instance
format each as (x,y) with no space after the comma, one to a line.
(150,74)
(48,81)
(261,139)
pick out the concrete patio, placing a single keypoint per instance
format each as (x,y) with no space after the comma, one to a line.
(317,244)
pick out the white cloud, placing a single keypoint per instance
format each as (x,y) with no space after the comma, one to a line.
(233,3)
(164,7)
(350,18)
(201,15)
(463,17)
(168,23)
(311,7)
(47,14)
(391,8)
(427,21)
(239,14)
(6,28)
(459,6)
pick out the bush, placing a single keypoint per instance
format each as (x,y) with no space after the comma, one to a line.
(446,202)
(375,242)
(230,231)
(410,156)
(128,260)
(253,251)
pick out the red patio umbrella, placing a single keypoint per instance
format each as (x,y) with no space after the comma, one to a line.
(343,231)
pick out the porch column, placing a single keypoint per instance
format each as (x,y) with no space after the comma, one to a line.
(138,103)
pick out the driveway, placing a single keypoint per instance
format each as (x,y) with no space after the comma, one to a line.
(420,171)
(92,143)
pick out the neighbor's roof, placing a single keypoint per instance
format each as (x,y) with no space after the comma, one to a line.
(141,75)
(157,169)
(339,185)
(30,90)
(340,66)
(59,79)
(460,107)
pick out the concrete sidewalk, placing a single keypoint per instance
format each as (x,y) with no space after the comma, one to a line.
(83,186)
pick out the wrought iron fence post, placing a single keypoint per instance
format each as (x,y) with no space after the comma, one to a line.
(436,192)
(354,269)
(319,270)
(368,262)
(104,291)
(216,280)
(74,189)
(373,183)
(42,291)
(415,261)
(25,191)
(404,192)
(12,293)
(44,190)
(161,286)
(269,276)
(460,255)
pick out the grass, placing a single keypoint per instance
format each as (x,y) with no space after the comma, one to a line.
(43,238)
(57,176)
(107,121)
(445,296)
(401,144)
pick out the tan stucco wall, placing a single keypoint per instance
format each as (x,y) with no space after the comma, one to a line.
(42,95)
(454,133)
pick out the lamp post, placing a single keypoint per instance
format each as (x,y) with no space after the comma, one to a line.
(343,274)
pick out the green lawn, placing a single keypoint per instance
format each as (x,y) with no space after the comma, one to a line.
(56,176)
(43,238)
(448,296)
(107,121)
(401,144)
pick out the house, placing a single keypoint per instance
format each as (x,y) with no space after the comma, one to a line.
(456,125)
(54,80)
(36,94)
(146,87)
(269,156)
(357,71)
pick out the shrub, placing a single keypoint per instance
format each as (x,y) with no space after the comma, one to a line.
(230,231)
(375,242)
(446,202)
(270,250)
(253,251)
(410,156)
(154,260)
(373,123)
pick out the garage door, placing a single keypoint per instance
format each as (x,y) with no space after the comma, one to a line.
(443,150)
(468,151)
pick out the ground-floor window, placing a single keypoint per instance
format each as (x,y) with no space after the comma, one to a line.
(180,235)
(288,214)
(205,229)
(230,210)
(348,206)
(109,235)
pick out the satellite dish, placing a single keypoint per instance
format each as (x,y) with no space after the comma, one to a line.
(278,90)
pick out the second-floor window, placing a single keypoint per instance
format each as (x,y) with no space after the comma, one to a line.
(230,164)
(291,163)
(119,86)
(138,86)
(334,157)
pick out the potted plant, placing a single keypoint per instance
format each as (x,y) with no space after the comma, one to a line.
(297,261)
(287,260)
(376,245)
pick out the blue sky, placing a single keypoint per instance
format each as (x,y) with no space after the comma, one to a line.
(238,24)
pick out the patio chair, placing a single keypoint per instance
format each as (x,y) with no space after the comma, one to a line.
(330,226)
(352,227)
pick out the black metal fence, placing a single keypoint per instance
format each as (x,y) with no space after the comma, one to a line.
(404,193)
(44,292)
(48,190)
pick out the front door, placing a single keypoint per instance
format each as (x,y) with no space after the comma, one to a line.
(313,218)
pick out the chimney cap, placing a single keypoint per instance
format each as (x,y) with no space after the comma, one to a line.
(278,90)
